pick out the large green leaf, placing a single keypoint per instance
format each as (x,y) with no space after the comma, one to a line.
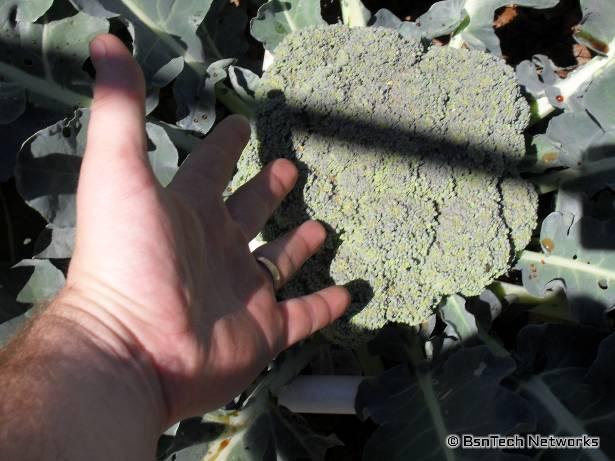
(27,10)
(258,430)
(49,162)
(576,258)
(464,395)
(461,322)
(48,168)
(599,99)
(467,322)
(261,431)
(164,33)
(14,134)
(442,18)
(477,32)
(44,283)
(170,42)
(385,18)
(596,28)
(569,384)
(46,58)
(278,18)
(574,133)
(195,96)
(161,153)
(55,243)
(244,83)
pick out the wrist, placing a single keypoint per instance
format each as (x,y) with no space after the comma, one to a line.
(84,323)
(76,393)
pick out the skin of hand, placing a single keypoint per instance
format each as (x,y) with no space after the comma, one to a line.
(162,282)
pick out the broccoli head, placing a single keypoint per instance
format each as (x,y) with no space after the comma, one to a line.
(408,154)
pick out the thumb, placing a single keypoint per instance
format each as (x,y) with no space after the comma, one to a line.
(116,149)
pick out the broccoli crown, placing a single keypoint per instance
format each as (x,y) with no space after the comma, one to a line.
(408,155)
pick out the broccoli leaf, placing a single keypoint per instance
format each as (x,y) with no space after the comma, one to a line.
(258,429)
(15,134)
(27,10)
(460,323)
(384,18)
(574,133)
(164,34)
(599,99)
(244,83)
(464,394)
(40,64)
(46,58)
(44,283)
(570,383)
(467,322)
(48,166)
(595,32)
(596,28)
(544,153)
(442,18)
(58,242)
(195,97)
(276,19)
(574,257)
(460,327)
(477,29)
(170,42)
(354,13)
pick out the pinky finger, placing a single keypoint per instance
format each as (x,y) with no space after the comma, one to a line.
(308,314)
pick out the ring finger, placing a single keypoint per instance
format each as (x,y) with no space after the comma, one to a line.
(290,251)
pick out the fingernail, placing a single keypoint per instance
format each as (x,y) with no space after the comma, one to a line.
(98,50)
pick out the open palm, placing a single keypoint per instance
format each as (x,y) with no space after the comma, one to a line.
(167,273)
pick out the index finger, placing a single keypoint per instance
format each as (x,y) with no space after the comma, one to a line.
(213,161)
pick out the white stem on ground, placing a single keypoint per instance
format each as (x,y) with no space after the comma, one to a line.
(325,394)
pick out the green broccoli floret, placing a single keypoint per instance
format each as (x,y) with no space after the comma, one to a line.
(408,155)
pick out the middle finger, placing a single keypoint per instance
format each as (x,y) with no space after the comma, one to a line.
(252,204)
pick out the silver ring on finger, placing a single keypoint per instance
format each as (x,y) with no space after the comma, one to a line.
(274,272)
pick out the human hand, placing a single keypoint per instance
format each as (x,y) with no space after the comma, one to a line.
(165,274)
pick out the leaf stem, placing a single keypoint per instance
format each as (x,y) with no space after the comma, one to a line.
(574,82)
(43,87)
(324,394)
(354,13)
(562,261)
(565,420)
(518,294)
(232,102)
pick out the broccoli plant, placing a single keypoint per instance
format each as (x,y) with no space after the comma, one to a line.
(414,175)
(421,159)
